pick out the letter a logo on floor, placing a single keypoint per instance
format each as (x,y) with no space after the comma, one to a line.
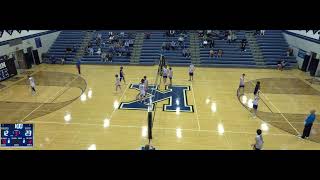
(175,94)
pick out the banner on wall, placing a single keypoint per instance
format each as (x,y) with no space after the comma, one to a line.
(301,53)
(314,34)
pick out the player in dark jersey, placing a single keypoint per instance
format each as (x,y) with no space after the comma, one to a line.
(257,88)
(122,75)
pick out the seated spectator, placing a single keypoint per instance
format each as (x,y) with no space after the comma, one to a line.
(181,40)
(172,32)
(104,57)
(289,52)
(211,43)
(163,46)
(173,45)
(233,37)
(130,42)
(188,54)
(68,50)
(184,52)
(262,32)
(74,49)
(91,51)
(281,65)
(52,59)
(99,51)
(63,60)
(229,38)
(205,43)
(211,53)
(167,46)
(200,33)
(126,44)
(99,36)
(122,34)
(109,57)
(110,33)
(111,38)
(220,52)
(147,35)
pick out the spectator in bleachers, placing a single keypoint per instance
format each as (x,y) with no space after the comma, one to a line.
(99,51)
(163,46)
(130,42)
(167,46)
(147,35)
(200,33)
(109,57)
(184,52)
(281,65)
(110,33)
(173,45)
(104,57)
(289,52)
(126,45)
(181,40)
(205,43)
(229,38)
(262,32)
(211,53)
(211,43)
(172,33)
(188,54)
(233,37)
(243,45)
(121,34)
(91,51)
(220,53)
(52,59)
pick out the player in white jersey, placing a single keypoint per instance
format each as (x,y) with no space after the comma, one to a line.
(146,83)
(191,71)
(255,105)
(118,84)
(170,74)
(241,85)
(142,90)
(32,85)
(165,75)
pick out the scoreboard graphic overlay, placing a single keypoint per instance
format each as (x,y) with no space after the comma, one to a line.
(17,135)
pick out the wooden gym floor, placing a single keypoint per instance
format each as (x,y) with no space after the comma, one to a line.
(65,119)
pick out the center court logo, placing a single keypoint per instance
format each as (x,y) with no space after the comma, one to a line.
(177,96)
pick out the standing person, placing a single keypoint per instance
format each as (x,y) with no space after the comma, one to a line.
(170,75)
(146,83)
(191,71)
(118,84)
(122,75)
(259,141)
(78,64)
(308,124)
(32,85)
(257,88)
(142,92)
(241,85)
(165,75)
(255,105)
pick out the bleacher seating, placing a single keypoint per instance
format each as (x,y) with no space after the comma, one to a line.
(274,47)
(96,59)
(232,56)
(66,39)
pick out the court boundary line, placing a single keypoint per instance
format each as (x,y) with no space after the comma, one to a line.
(158,128)
(277,110)
(196,107)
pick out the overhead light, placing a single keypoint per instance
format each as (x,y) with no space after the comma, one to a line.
(207,101)
(144,131)
(90,93)
(115,104)
(264,127)
(178,110)
(83,97)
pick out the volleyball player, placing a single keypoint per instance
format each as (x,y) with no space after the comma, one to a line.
(255,105)
(191,71)
(170,73)
(257,88)
(32,85)
(142,92)
(118,84)
(165,74)
(122,75)
(241,85)
(146,83)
